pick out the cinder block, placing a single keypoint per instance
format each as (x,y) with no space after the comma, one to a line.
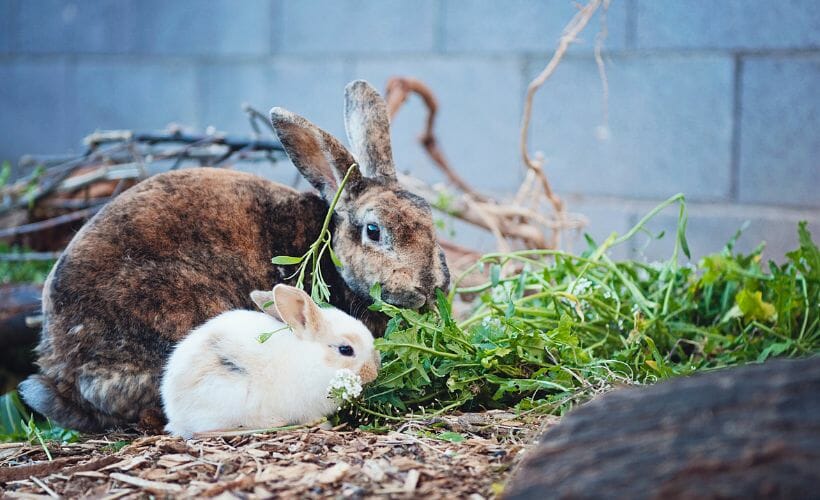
(604,217)
(355,26)
(477,121)
(311,88)
(524,25)
(669,130)
(33,97)
(779,140)
(709,229)
(133,95)
(6,23)
(60,26)
(727,24)
(217,27)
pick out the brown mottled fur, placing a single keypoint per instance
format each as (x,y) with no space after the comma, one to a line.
(185,246)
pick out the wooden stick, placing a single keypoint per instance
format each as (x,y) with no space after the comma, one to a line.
(46,224)
(398,90)
(575,26)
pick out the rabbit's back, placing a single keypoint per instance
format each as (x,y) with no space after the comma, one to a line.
(165,256)
(175,250)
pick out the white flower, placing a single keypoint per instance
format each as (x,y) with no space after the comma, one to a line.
(581,286)
(489,322)
(345,385)
(657,265)
(501,293)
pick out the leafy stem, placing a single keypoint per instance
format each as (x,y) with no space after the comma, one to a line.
(319,291)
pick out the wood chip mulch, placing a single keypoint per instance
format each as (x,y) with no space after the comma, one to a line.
(413,460)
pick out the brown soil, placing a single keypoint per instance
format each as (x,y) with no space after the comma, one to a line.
(411,460)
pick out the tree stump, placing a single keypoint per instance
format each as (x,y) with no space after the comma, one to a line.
(748,432)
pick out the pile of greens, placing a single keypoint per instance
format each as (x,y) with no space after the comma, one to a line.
(550,329)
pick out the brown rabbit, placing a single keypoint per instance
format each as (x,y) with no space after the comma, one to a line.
(185,246)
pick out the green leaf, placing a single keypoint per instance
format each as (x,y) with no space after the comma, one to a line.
(118,445)
(714,265)
(753,306)
(807,257)
(5,173)
(376,292)
(682,218)
(335,258)
(263,337)
(12,412)
(508,313)
(443,308)
(495,274)
(453,437)
(775,349)
(506,385)
(285,260)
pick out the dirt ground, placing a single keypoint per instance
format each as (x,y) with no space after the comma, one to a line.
(457,456)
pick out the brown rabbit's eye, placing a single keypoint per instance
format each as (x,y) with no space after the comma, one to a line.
(373,232)
(345,350)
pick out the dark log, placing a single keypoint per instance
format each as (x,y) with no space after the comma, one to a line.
(17,338)
(748,432)
(18,298)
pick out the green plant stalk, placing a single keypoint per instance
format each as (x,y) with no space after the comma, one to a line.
(319,290)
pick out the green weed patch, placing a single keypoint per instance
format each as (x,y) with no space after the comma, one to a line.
(563,327)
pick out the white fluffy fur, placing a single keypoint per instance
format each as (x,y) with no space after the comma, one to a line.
(281,381)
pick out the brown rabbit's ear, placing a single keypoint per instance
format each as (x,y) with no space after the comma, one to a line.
(368,130)
(298,310)
(264,301)
(319,157)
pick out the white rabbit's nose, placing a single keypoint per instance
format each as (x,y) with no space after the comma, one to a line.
(370,370)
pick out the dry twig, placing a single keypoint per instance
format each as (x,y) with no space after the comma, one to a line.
(571,31)
(398,90)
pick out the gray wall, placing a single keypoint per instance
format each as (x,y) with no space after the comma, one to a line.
(718,99)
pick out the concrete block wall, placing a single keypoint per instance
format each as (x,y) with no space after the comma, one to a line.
(715,99)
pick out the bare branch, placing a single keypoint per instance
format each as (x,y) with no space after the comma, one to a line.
(398,90)
(571,31)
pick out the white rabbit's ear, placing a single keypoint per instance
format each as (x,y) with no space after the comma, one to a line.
(368,130)
(319,157)
(264,301)
(298,310)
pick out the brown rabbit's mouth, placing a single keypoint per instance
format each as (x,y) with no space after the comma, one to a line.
(405,299)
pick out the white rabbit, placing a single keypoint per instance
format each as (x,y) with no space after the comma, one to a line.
(222,377)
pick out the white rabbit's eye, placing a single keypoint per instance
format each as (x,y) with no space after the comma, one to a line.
(345,350)
(373,232)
